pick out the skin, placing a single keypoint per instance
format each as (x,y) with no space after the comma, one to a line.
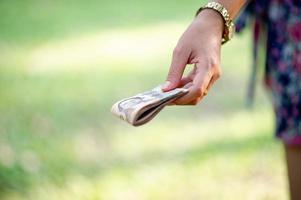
(200,45)
(293,160)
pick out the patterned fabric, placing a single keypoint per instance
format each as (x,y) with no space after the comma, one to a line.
(279,21)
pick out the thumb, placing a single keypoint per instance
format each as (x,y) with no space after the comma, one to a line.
(176,70)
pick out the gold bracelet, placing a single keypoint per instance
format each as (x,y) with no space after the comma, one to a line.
(229,27)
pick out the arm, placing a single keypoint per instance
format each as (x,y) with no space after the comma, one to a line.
(200,45)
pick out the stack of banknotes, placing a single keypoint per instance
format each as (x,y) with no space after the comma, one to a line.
(141,108)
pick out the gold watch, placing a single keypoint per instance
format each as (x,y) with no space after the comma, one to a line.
(229,27)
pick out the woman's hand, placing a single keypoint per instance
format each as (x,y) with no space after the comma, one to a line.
(199,45)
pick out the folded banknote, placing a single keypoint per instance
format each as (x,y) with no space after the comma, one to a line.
(143,107)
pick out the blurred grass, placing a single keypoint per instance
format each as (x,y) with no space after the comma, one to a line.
(63,64)
(33,20)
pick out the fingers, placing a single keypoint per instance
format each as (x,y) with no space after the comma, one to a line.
(189,83)
(197,100)
(187,86)
(198,87)
(213,79)
(179,61)
(186,80)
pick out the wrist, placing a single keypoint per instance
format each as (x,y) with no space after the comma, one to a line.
(212,21)
(229,26)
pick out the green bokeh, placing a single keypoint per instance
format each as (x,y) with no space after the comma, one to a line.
(58,139)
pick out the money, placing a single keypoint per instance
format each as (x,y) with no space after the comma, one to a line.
(141,108)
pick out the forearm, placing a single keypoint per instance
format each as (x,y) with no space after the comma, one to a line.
(233,6)
(214,19)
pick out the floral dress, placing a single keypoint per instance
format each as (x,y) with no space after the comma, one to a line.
(279,22)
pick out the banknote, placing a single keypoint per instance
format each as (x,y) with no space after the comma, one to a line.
(141,108)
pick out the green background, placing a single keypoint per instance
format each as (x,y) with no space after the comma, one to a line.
(64,63)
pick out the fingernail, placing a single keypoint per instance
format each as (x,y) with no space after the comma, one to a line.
(165,85)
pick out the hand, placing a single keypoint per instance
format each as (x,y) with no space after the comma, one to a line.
(199,45)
